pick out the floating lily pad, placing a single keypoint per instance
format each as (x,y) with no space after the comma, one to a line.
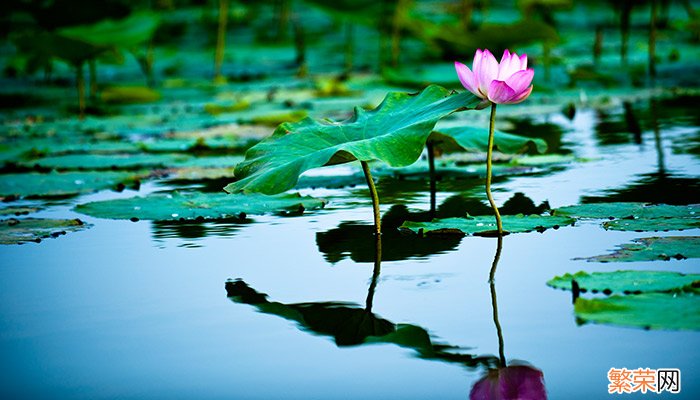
(652,224)
(547,159)
(105,161)
(629,210)
(626,281)
(128,94)
(653,249)
(481,224)
(64,183)
(18,210)
(17,231)
(190,206)
(395,132)
(672,311)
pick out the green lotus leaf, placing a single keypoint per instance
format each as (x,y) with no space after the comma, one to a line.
(486,223)
(626,281)
(17,231)
(469,137)
(128,94)
(127,32)
(190,206)
(395,132)
(653,249)
(652,224)
(17,211)
(629,210)
(108,161)
(64,183)
(670,311)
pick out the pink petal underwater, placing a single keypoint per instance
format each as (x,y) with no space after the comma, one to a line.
(500,93)
(466,76)
(520,80)
(488,71)
(510,383)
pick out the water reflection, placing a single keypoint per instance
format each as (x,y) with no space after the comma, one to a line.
(518,380)
(193,231)
(655,187)
(549,132)
(352,325)
(355,240)
(611,129)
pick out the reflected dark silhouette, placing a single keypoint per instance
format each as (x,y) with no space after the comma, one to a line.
(506,382)
(660,186)
(613,128)
(549,132)
(354,240)
(352,325)
(193,230)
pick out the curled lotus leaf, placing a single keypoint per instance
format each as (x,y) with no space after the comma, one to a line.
(395,132)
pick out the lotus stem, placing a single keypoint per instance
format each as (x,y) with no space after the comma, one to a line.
(494,302)
(433,184)
(489,154)
(220,38)
(652,39)
(93,78)
(375,198)
(375,273)
(80,83)
(349,47)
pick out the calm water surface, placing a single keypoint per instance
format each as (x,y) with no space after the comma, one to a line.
(139,310)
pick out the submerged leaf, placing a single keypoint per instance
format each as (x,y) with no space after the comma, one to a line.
(482,224)
(18,231)
(395,132)
(626,281)
(189,206)
(653,249)
(672,311)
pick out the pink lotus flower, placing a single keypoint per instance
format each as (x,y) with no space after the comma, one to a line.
(520,382)
(507,82)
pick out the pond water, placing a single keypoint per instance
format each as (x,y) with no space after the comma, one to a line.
(141,310)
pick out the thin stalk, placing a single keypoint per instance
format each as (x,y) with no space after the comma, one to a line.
(375,198)
(598,44)
(80,84)
(93,78)
(625,16)
(375,273)
(489,168)
(661,164)
(349,47)
(396,32)
(652,39)
(494,303)
(433,184)
(220,38)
